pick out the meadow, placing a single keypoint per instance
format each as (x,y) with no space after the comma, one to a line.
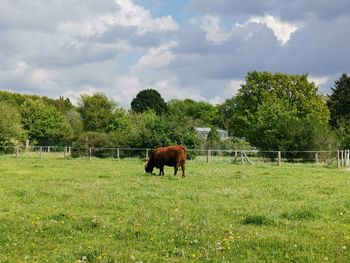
(104,210)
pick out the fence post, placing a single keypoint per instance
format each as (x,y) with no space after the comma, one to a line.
(118,154)
(338,159)
(347,153)
(27,145)
(342,157)
(242,159)
(41,151)
(146,153)
(69,150)
(208,156)
(279,158)
(65,152)
(90,154)
(316,158)
(17,151)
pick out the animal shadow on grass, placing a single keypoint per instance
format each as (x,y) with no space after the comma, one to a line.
(301,214)
(258,220)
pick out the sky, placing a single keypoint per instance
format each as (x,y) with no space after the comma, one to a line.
(198,49)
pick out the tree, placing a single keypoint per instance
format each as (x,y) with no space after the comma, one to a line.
(44,123)
(149,99)
(295,90)
(339,101)
(277,126)
(11,131)
(202,113)
(96,112)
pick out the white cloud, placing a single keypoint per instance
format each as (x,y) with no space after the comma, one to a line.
(155,57)
(127,88)
(318,80)
(231,90)
(37,77)
(74,96)
(127,15)
(169,89)
(210,24)
(281,30)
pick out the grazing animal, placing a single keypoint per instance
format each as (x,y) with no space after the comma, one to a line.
(174,156)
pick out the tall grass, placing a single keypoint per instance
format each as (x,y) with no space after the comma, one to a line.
(76,210)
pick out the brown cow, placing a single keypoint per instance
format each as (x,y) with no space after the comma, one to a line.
(170,156)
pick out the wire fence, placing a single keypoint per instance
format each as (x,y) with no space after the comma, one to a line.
(339,158)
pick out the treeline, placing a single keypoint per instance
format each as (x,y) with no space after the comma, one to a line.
(271,111)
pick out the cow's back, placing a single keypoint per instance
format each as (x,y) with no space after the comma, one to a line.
(170,155)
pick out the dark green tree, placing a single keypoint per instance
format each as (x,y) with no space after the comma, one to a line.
(96,112)
(339,101)
(149,99)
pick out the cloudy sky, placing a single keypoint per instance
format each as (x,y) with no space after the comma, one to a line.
(199,49)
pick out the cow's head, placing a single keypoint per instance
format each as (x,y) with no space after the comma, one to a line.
(148,168)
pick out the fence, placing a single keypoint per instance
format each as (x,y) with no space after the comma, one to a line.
(340,158)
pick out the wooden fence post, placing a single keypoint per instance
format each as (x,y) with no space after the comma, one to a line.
(242,159)
(279,158)
(146,153)
(17,151)
(118,154)
(90,154)
(316,158)
(27,145)
(208,156)
(41,151)
(338,159)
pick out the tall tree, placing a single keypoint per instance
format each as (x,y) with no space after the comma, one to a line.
(339,101)
(96,111)
(280,111)
(149,99)
(293,89)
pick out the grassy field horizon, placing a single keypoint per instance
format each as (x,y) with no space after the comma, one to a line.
(103,210)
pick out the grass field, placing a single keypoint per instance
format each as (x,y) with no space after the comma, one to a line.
(76,210)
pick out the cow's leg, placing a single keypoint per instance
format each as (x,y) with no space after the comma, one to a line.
(162,170)
(175,169)
(183,169)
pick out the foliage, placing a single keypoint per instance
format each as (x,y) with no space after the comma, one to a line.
(63,105)
(281,112)
(295,90)
(339,101)
(213,140)
(44,123)
(11,131)
(277,126)
(343,132)
(149,99)
(202,113)
(96,112)
(88,140)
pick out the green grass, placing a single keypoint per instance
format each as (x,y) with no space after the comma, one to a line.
(66,210)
